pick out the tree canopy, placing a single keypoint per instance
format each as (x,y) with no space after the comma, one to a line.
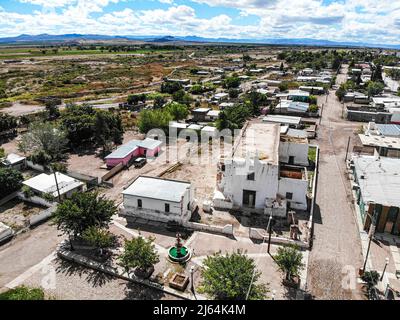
(85,125)
(289,260)
(229,277)
(83,211)
(45,142)
(10,181)
(139,252)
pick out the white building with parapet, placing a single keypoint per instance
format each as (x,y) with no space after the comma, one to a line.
(266,173)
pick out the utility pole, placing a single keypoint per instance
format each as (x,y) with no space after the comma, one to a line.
(58,189)
(347,150)
(269,232)
(371,234)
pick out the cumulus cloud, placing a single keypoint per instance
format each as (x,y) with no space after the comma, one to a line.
(354,20)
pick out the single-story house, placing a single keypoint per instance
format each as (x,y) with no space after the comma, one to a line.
(288,106)
(221,96)
(14,161)
(46,184)
(224,105)
(158,199)
(377,186)
(213,115)
(200,114)
(135,148)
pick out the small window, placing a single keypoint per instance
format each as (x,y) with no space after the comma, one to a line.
(167,207)
(223,168)
(139,203)
(289,195)
(251,176)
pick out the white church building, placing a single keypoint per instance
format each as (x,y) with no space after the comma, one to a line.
(267,172)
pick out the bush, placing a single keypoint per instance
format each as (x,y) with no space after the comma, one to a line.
(23,293)
(313,108)
(27,191)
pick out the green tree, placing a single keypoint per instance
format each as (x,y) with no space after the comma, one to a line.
(10,181)
(99,238)
(136,98)
(234,117)
(177,111)
(108,129)
(82,211)
(159,101)
(289,260)
(7,122)
(283,86)
(377,74)
(2,153)
(79,123)
(52,109)
(233,93)
(139,253)
(23,293)
(230,276)
(154,119)
(45,142)
(182,97)
(374,88)
(232,82)
(170,87)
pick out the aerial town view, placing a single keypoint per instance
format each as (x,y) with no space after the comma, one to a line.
(199,150)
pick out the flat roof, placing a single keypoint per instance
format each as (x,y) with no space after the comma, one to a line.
(381,183)
(201,110)
(299,93)
(380,141)
(260,139)
(13,158)
(389,129)
(46,183)
(214,113)
(157,188)
(275,118)
(178,125)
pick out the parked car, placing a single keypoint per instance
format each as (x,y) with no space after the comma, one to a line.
(139,162)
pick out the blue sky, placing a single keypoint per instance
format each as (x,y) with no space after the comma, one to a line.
(338,20)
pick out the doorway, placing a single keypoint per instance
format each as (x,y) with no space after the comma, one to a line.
(249,198)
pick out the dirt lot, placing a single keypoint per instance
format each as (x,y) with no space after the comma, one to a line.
(16,213)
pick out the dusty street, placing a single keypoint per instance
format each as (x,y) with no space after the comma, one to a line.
(336,237)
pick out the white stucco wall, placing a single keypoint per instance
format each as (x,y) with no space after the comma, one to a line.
(299,190)
(297,150)
(265,183)
(154,209)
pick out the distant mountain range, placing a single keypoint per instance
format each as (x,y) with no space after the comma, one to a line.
(44,38)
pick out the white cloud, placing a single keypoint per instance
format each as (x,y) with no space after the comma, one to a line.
(354,20)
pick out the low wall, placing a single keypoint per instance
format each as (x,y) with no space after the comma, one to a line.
(313,199)
(8,198)
(5,232)
(259,234)
(36,200)
(226,230)
(42,216)
(34,166)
